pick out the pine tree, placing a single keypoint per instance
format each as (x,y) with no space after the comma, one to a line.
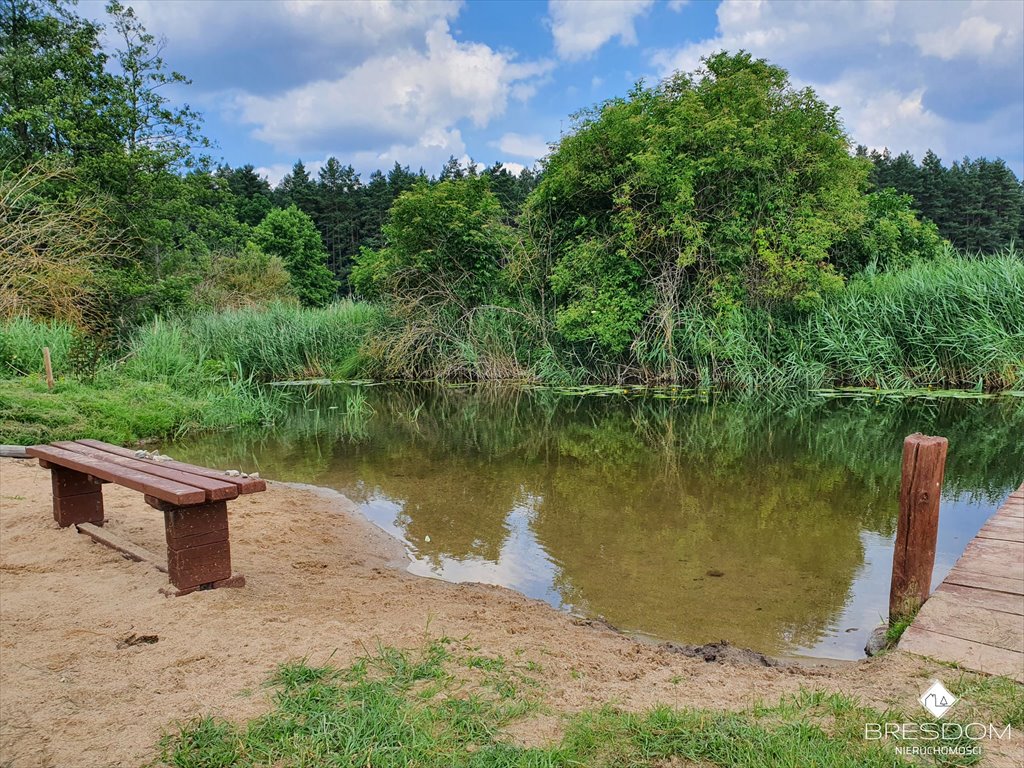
(452,170)
(933,193)
(376,204)
(297,189)
(337,217)
(251,193)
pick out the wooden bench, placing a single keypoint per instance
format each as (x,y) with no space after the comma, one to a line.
(193,500)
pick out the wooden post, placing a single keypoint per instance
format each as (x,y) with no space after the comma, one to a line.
(48,367)
(924,462)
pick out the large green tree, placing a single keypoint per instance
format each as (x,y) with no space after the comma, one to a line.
(291,235)
(56,95)
(727,185)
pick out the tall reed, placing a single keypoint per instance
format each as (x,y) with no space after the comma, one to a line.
(22,341)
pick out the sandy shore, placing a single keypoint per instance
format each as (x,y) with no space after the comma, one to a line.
(322,582)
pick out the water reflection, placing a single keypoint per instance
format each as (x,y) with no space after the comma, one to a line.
(769,525)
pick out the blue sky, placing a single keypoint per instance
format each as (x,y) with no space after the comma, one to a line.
(376,82)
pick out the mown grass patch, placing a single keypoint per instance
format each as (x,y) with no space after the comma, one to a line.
(447,705)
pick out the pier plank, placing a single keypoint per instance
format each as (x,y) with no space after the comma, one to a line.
(975,618)
(986,599)
(971,655)
(965,577)
(952,615)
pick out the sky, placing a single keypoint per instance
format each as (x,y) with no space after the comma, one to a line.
(415,82)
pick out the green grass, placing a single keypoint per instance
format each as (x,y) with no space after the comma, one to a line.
(125,410)
(120,413)
(998,699)
(22,341)
(445,705)
(278,342)
(897,627)
(951,322)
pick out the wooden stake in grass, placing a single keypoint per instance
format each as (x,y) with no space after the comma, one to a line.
(924,462)
(48,367)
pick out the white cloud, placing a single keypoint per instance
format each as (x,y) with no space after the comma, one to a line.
(580,27)
(264,46)
(880,118)
(905,75)
(677,5)
(532,146)
(512,167)
(974,36)
(392,99)
(340,25)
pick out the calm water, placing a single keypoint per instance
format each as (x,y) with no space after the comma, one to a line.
(769,525)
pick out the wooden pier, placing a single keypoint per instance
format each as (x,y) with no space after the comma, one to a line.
(976,616)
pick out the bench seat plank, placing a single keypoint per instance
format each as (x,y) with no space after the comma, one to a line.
(216,490)
(160,487)
(245,484)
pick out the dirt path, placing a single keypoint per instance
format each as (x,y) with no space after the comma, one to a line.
(322,583)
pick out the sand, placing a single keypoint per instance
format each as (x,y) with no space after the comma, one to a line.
(322,583)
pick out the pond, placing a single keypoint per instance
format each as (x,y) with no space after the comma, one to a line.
(684,518)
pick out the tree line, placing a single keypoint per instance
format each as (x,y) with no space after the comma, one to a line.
(978,205)
(349,213)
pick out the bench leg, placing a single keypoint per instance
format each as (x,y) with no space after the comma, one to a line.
(198,550)
(77,497)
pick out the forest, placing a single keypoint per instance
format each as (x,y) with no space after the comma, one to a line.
(718,229)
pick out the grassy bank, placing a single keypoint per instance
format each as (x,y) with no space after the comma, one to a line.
(950,323)
(171,376)
(447,706)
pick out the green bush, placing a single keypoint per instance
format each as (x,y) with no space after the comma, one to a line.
(290,235)
(728,184)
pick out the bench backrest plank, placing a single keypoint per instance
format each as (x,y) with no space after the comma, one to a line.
(162,488)
(216,490)
(245,484)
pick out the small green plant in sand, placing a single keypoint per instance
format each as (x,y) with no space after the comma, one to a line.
(449,705)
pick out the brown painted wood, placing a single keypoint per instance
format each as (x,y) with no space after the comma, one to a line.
(159,487)
(216,490)
(67,482)
(983,599)
(235,580)
(245,484)
(125,547)
(176,544)
(199,565)
(973,655)
(924,461)
(182,522)
(80,508)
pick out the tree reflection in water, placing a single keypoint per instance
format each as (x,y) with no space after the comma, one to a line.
(685,518)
